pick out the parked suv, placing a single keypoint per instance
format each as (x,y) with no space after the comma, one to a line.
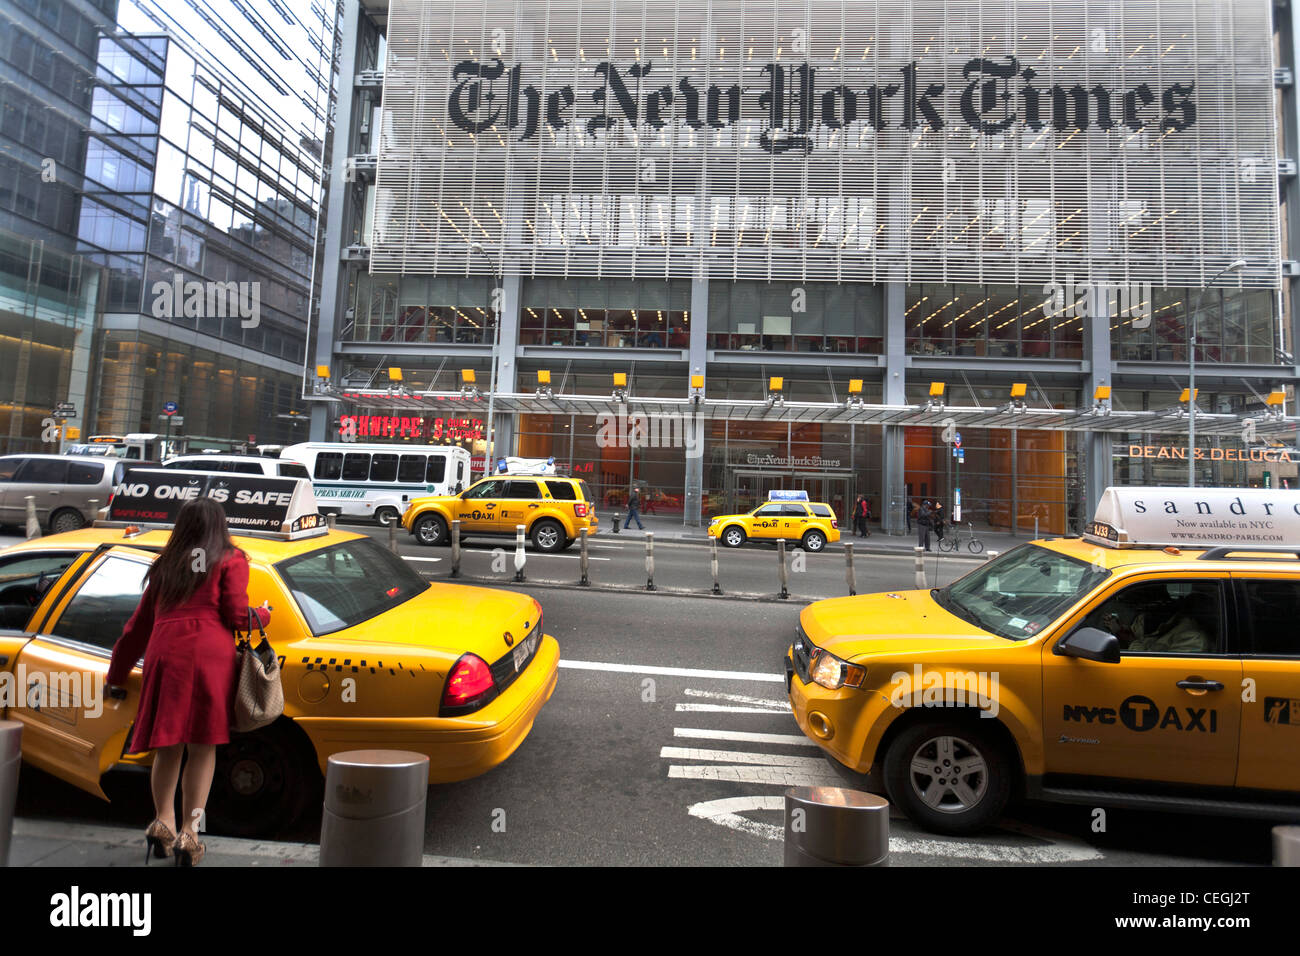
(68,489)
(552,510)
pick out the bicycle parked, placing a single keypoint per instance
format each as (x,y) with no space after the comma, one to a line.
(952,541)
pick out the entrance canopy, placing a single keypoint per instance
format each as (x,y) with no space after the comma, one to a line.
(1012,415)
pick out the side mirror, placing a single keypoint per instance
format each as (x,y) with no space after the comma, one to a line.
(1090,644)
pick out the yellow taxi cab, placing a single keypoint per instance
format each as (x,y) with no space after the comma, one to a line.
(787,514)
(552,509)
(372,655)
(1153,663)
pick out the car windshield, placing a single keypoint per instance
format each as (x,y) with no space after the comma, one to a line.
(1021,592)
(347,583)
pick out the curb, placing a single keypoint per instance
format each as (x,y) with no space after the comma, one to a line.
(766,598)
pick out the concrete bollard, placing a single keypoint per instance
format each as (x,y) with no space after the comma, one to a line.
(650,561)
(713,563)
(11,739)
(374,808)
(833,826)
(782,571)
(331,519)
(583,560)
(392,535)
(990,555)
(919,552)
(1286,845)
(850,578)
(33,525)
(455,548)
(520,558)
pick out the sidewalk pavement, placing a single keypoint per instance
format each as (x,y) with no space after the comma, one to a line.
(670,528)
(58,843)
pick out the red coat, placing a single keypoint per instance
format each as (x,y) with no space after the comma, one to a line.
(189,660)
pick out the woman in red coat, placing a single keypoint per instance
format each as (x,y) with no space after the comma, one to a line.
(197,592)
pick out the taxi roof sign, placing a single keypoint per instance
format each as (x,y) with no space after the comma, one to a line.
(787,496)
(1196,518)
(254,504)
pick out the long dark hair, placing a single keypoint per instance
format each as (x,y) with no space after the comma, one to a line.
(197,546)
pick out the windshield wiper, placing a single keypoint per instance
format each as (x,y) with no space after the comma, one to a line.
(954,606)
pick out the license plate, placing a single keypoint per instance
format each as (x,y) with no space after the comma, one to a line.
(522,653)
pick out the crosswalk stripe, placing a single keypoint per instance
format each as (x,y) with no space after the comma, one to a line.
(723,709)
(817,764)
(707,734)
(767,776)
(737,698)
(673,671)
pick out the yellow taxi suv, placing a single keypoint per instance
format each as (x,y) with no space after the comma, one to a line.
(372,655)
(788,515)
(552,509)
(1152,663)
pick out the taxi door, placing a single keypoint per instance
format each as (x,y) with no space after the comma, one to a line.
(520,502)
(794,521)
(1270,722)
(478,506)
(765,523)
(1170,714)
(71,728)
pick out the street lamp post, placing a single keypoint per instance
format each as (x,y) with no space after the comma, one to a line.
(490,437)
(1235,266)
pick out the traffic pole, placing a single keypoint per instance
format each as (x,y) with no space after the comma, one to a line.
(455,548)
(650,561)
(582,555)
(392,535)
(33,525)
(713,563)
(520,558)
(849,577)
(781,570)
(331,519)
(920,566)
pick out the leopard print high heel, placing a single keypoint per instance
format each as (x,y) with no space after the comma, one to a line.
(159,841)
(188,850)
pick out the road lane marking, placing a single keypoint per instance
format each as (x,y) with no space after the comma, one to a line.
(673,671)
(429,560)
(703,733)
(724,709)
(817,764)
(765,776)
(737,698)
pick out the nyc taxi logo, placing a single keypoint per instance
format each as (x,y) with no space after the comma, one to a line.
(1141,714)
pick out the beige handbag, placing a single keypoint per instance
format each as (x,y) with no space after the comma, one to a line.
(259,696)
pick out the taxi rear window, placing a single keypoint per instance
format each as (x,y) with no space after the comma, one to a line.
(561,490)
(822,511)
(347,583)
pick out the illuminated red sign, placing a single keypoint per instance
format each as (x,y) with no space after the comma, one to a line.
(403,426)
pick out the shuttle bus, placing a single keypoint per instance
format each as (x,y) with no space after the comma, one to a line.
(378,481)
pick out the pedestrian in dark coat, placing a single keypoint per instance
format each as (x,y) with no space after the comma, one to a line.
(923,525)
(938,519)
(634,509)
(860,517)
(196,594)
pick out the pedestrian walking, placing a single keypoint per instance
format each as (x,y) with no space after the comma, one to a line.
(196,594)
(860,517)
(937,519)
(634,510)
(923,525)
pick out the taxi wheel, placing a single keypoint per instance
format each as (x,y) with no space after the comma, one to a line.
(568,543)
(814,541)
(733,537)
(66,520)
(948,776)
(386,516)
(264,782)
(431,530)
(548,536)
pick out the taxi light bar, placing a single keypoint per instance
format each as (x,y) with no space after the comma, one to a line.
(1195,518)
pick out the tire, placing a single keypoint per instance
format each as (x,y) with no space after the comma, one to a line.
(733,536)
(568,543)
(430,530)
(975,545)
(913,785)
(66,519)
(386,515)
(548,536)
(265,782)
(814,541)
(947,544)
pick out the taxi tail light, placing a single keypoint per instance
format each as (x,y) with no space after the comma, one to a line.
(580,509)
(835,524)
(469,686)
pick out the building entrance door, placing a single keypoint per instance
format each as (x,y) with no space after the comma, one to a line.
(749,489)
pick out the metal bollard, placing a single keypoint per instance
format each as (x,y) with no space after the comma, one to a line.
(650,561)
(582,557)
(331,519)
(11,739)
(93,504)
(920,566)
(392,535)
(520,558)
(616,523)
(455,548)
(990,555)
(33,525)
(833,826)
(713,562)
(849,576)
(1286,845)
(374,808)
(782,573)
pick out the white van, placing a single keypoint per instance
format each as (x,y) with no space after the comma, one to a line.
(378,481)
(240,465)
